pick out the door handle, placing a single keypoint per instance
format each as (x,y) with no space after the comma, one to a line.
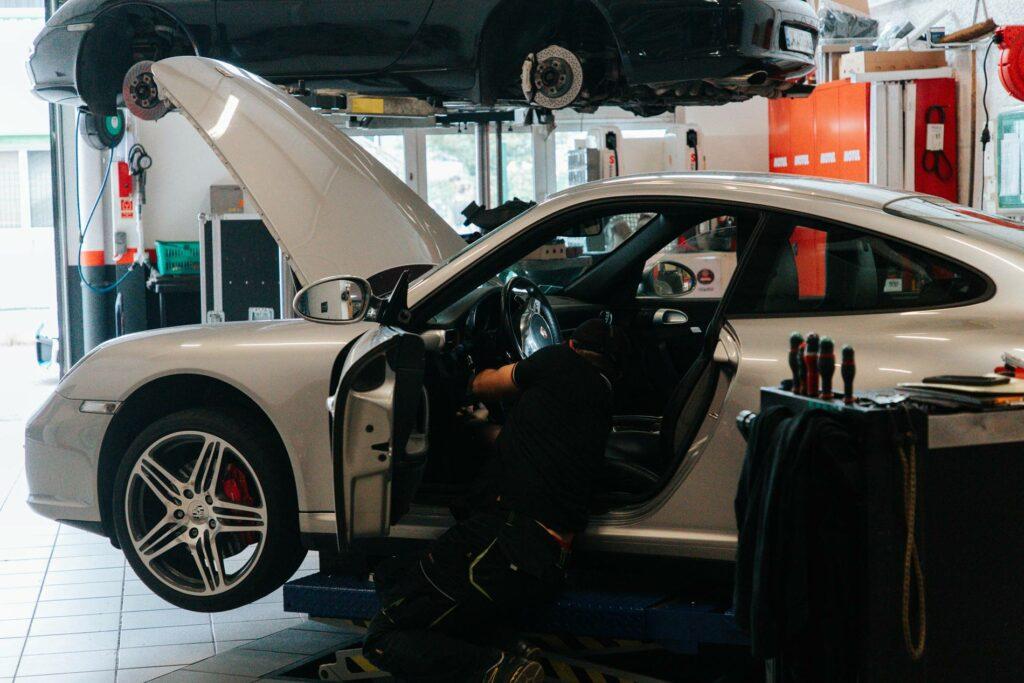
(670,316)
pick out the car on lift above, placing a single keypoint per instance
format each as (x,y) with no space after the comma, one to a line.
(645,56)
(216,455)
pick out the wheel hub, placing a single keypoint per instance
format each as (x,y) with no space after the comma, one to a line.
(199,513)
(553,78)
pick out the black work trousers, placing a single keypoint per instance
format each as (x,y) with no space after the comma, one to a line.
(446,616)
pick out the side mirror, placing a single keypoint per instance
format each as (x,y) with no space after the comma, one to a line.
(335,300)
(668,278)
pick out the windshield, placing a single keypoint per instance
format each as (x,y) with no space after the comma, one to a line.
(961,219)
(487,237)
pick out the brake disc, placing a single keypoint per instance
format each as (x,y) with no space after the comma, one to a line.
(552,78)
(141,93)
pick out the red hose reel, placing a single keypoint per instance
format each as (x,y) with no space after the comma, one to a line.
(1010,40)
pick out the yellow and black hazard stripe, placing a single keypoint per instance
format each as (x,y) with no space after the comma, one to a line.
(351,665)
(358,664)
(588,644)
(574,673)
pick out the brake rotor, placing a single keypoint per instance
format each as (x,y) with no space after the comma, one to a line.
(142,94)
(552,78)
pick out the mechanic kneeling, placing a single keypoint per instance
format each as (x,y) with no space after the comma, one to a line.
(513,548)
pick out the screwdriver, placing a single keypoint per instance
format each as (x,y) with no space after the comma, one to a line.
(795,341)
(811,360)
(849,372)
(827,367)
(801,356)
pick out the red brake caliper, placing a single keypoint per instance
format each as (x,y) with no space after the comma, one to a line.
(235,486)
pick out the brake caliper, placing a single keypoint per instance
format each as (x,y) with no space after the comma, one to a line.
(234,485)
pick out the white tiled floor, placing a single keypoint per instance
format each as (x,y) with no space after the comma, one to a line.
(70,607)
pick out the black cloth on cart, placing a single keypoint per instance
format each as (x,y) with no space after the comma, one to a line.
(799,557)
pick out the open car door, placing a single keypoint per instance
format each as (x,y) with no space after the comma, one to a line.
(379,432)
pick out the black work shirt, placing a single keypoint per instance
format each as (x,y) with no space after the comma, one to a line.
(553,442)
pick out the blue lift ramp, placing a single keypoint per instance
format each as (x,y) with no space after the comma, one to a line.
(681,623)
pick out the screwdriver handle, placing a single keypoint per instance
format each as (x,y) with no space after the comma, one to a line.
(827,367)
(801,362)
(811,361)
(795,341)
(849,369)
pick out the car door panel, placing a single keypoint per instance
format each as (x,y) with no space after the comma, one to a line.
(379,442)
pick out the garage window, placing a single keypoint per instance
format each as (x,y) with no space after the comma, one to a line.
(451,176)
(517,172)
(10,191)
(805,267)
(40,189)
(387,149)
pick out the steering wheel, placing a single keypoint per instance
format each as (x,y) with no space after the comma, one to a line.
(527,318)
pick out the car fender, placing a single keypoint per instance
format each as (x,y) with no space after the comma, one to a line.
(284,367)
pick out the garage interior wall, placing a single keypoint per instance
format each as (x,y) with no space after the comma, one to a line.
(734,137)
(184,167)
(962,15)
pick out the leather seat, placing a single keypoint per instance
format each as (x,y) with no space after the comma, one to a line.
(632,461)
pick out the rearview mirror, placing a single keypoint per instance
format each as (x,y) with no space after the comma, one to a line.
(335,300)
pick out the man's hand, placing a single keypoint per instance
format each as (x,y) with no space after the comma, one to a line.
(490,385)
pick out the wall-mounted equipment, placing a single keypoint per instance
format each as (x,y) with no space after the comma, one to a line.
(101,132)
(1010,162)
(1010,40)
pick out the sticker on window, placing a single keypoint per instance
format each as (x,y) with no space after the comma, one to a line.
(894,285)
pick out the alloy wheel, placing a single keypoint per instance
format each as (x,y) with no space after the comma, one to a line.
(196,513)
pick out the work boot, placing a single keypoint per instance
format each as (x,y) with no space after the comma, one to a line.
(511,669)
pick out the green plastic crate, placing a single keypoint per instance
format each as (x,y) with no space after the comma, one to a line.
(177,258)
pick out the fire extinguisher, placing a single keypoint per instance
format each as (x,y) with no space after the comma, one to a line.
(1010,40)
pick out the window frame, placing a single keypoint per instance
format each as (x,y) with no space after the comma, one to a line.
(821,222)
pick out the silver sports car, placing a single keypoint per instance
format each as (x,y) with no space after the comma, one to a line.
(215,456)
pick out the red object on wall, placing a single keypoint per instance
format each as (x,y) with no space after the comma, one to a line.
(826,129)
(825,134)
(124,180)
(1011,59)
(854,131)
(936,171)
(802,136)
(780,159)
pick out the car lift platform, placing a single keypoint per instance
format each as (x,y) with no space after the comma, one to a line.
(680,623)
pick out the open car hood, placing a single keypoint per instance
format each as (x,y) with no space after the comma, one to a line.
(332,207)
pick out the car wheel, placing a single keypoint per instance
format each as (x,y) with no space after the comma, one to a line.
(204,509)
(552,78)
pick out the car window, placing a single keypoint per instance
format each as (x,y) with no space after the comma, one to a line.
(699,264)
(804,266)
(578,247)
